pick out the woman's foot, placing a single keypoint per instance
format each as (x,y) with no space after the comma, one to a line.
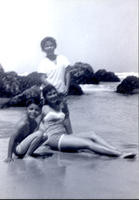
(128,155)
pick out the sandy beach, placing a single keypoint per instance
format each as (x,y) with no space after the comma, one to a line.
(78,175)
(68,175)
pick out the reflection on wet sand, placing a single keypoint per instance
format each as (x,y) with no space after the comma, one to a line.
(35,178)
(69,175)
(47,178)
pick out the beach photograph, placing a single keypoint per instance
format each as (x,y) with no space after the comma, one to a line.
(69,87)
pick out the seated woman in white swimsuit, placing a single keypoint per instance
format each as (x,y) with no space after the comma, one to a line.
(52,125)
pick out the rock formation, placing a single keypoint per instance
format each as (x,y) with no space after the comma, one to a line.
(130,85)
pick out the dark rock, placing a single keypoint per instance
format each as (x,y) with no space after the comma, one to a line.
(22,98)
(28,81)
(22,88)
(35,92)
(75,89)
(9,84)
(82,73)
(105,76)
(84,65)
(130,85)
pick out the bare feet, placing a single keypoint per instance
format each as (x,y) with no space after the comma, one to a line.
(128,155)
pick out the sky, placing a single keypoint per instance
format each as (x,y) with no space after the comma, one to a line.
(102,33)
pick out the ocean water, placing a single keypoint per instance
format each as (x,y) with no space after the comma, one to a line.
(111,115)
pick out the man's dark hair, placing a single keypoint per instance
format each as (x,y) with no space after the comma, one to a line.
(48,39)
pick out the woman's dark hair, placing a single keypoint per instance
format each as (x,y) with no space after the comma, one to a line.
(45,90)
(48,39)
(36,101)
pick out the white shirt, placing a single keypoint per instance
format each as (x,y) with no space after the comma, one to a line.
(55,71)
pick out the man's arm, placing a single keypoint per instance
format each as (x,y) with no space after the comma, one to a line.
(67,79)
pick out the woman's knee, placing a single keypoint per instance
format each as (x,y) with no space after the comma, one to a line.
(19,150)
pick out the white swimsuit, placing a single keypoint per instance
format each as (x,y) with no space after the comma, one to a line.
(52,126)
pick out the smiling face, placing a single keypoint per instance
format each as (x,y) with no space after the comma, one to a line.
(49,47)
(33,111)
(52,96)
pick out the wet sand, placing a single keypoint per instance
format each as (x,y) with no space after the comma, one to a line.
(71,175)
(68,175)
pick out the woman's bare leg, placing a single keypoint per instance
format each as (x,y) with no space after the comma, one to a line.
(96,138)
(71,142)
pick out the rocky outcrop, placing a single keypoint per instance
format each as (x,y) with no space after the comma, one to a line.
(75,89)
(21,88)
(82,73)
(12,84)
(106,76)
(30,80)
(9,84)
(130,85)
(23,97)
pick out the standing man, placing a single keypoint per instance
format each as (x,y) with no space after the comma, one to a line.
(55,66)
